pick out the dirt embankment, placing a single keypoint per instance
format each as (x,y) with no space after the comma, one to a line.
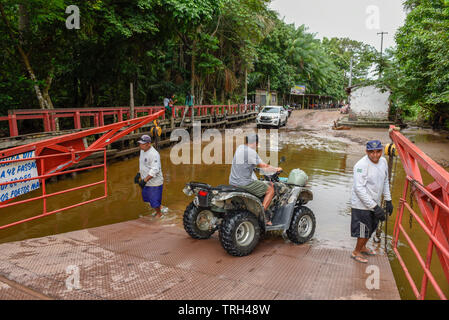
(320,122)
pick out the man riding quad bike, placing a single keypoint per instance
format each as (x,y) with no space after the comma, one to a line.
(243,213)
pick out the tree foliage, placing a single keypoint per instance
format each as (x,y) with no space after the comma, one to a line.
(209,47)
(418,70)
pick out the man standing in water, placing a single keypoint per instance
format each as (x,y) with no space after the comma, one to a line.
(151,174)
(370,184)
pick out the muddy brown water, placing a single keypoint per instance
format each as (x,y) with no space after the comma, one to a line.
(325,160)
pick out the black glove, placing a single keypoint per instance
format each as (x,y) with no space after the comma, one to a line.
(142,183)
(379,213)
(137,178)
(389,207)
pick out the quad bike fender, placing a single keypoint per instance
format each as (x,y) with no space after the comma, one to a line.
(305,196)
(251,202)
(285,213)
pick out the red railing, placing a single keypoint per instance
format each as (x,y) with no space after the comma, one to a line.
(40,160)
(57,154)
(119,113)
(204,110)
(433,202)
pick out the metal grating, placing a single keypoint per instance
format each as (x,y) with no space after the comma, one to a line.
(149,260)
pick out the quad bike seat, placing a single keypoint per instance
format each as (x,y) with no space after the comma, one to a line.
(201,185)
(229,188)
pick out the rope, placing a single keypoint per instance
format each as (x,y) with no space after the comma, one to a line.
(392,180)
(411,195)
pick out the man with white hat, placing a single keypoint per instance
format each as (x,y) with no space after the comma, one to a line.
(370,184)
(151,174)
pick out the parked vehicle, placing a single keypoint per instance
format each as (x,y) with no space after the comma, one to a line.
(272,116)
(240,217)
(289,110)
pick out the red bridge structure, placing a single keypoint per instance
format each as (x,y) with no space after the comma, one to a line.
(98,114)
(54,156)
(433,202)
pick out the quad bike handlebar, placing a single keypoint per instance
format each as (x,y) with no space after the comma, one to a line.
(269,177)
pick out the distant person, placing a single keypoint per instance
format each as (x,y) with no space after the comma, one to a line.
(167,107)
(189,101)
(345,109)
(171,103)
(150,173)
(370,184)
(188,104)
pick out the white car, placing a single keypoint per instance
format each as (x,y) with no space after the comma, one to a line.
(272,116)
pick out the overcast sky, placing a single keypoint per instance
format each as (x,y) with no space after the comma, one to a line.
(359,20)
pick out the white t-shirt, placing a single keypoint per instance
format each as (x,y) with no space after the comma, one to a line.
(370,183)
(150,164)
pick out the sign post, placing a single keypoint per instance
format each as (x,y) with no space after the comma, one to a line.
(299,90)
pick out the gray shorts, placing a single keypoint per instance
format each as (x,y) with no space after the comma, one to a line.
(363,223)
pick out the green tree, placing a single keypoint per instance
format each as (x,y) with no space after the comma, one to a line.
(363,56)
(420,72)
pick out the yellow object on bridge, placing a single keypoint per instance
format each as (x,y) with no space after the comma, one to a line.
(156,129)
(390,150)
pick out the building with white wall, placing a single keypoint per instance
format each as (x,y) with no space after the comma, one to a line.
(370,102)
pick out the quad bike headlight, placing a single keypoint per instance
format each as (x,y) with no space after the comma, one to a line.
(187,191)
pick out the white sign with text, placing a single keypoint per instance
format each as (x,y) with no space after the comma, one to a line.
(17,171)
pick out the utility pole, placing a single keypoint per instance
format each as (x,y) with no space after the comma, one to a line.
(381,50)
(269,93)
(246,87)
(350,79)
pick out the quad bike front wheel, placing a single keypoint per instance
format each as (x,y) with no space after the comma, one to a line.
(240,233)
(198,222)
(302,227)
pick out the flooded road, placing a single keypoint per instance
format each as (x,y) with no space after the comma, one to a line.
(327,159)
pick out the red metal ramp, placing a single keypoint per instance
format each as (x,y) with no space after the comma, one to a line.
(26,168)
(433,202)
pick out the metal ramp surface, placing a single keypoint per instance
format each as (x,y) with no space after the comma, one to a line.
(147,259)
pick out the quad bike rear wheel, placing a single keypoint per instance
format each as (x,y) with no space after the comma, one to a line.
(240,233)
(302,227)
(198,222)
